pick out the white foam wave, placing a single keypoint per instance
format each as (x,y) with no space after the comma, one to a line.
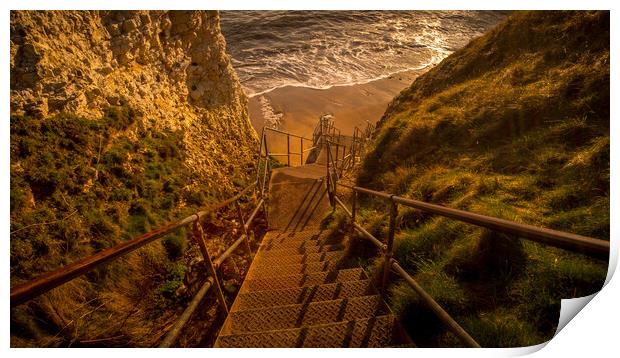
(433,61)
(272,119)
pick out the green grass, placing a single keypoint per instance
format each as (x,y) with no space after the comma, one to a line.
(79,186)
(515,125)
(115,187)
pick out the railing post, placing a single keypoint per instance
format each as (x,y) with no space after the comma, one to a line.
(353,149)
(266,169)
(390,244)
(330,194)
(288,150)
(199,237)
(260,155)
(335,182)
(353,210)
(245,230)
(337,150)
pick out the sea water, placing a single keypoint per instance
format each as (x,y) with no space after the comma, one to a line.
(320,49)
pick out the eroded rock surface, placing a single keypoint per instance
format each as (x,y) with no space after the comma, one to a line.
(171,66)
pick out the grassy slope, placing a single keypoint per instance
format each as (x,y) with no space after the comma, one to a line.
(514,125)
(95,184)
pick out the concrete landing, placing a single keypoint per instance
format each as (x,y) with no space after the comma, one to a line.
(321,156)
(297,198)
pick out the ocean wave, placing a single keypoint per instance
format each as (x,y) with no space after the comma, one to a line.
(322,49)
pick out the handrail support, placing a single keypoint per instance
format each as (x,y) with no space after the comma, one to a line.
(243,228)
(390,245)
(198,236)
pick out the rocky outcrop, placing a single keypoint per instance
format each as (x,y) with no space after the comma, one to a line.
(170,66)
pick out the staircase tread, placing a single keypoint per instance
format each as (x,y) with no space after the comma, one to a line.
(311,313)
(368,332)
(271,234)
(318,237)
(278,244)
(297,259)
(287,270)
(301,280)
(306,244)
(299,251)
(297,295)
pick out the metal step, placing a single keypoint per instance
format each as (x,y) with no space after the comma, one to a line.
(298,251)
(300,295)
(302,280)
(288,236)
(288,270)
(312,313)
(296,259)
(370,332)
(300,245)
(283,243)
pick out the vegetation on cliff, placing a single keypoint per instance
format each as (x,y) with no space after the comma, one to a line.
(515,125)
(79,186)
(121,121)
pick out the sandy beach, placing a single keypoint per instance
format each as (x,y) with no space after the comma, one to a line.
(297,109)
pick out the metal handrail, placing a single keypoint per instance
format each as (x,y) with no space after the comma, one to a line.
(287,133)
(246,225)
(337,160)
(568,241)
(45,282)
(387,248)
(175,332)
(267,153)
(309,149)
(212,280)
(391,263)
(26,291)
(29,290)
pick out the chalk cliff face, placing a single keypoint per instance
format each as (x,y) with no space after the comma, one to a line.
(170,66)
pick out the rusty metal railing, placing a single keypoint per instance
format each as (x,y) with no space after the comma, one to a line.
(27,291)
(265,155)
(325,129)
(568,241)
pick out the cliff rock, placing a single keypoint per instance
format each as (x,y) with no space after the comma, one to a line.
(170,66)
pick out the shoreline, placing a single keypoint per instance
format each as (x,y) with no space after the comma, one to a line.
(422,68)
(296,109)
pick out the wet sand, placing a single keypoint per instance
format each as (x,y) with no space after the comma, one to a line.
(299,108)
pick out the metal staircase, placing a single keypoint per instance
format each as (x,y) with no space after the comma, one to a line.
(299,291)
